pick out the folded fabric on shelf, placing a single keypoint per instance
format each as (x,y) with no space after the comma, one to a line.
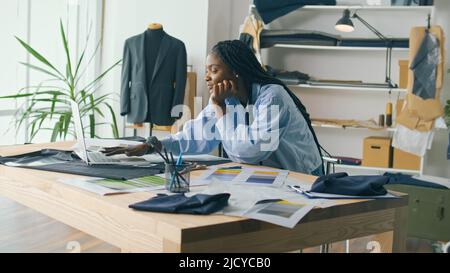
(343,184)
(396,42)
(369,124)
(288,77)
(271,10)
(200,204)
(299,37)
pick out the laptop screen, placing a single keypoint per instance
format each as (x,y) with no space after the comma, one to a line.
(79,132)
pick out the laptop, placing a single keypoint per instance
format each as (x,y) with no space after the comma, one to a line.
(97,157)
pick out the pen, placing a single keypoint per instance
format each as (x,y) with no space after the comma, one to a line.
(299,190)
(232,168)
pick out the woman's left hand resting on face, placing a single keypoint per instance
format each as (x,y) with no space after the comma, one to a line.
(220,93)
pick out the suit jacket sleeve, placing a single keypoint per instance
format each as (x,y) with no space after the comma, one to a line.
(125,85)
(181,77)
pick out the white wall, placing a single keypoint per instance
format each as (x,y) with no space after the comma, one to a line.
(12,74)
(185,20)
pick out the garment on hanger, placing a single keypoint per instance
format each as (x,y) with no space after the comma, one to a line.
(417,119)
(412,141)
(424,66)
(251,32)
(154,74)
(420,114)
(271,10)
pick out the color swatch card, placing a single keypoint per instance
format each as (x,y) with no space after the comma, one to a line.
(279,212)
(262,177)
(245,176)
(223,174)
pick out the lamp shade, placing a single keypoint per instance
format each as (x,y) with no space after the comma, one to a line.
(345,24)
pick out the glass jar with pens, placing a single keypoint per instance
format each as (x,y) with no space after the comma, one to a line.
(177,174)
(177,177)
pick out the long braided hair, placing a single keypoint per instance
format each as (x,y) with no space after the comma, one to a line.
(241,60)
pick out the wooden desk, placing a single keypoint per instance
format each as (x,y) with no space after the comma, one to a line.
(110,219)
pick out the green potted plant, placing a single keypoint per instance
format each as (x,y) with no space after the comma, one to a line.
(49,104)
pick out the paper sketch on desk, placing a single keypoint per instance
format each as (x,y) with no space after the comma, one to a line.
(244,197)
(104,187)
(279,212)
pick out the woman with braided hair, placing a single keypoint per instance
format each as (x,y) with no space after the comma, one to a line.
(255,116)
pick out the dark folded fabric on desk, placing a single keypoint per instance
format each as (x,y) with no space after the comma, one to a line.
(62,156)
(200,204)
(403,179)
(298,37)
(71,164)
(115,172)
(271,10)
(343,184)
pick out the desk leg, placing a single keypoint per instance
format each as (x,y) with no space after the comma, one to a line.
(400,230)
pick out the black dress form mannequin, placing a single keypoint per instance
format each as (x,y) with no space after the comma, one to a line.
(153,38)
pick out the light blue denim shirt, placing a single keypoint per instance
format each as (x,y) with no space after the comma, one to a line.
(277,134)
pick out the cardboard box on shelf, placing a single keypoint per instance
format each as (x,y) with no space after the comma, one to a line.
(406,161)
(377,152)
(404,70)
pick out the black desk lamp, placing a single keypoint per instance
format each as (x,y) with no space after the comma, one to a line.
(345,24)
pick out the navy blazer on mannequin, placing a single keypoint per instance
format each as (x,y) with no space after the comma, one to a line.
(143,97)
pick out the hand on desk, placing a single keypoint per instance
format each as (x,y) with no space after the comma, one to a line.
(139,150)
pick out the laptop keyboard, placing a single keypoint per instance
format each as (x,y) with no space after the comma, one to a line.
(97,157)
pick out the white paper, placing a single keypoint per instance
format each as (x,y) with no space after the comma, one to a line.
(318,195)
(244,197)
(38,163)
(104,187)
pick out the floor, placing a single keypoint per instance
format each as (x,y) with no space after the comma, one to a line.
(25,230)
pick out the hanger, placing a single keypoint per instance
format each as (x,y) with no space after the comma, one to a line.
(155,26)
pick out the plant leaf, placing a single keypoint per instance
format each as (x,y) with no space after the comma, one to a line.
(114,127)
(92,125)
(40,69)
(66,48)
(37,55)
(102,75)
(56,131)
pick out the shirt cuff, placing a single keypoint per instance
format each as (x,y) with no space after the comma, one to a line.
(168,143)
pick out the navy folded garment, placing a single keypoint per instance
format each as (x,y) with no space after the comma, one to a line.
(200,204)
(403,179)
(343,184)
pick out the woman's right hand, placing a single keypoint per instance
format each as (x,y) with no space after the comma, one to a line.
(138,150)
